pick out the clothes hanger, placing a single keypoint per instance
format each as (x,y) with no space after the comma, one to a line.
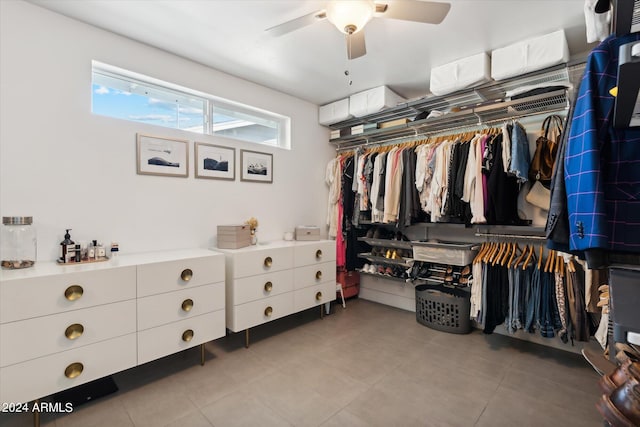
(500,254)
(529,256)
(490,252)
(481,252)
(520,258)
(507,253)
(559,265)
(547,264)
(540,258)
(515,250)
(478,256)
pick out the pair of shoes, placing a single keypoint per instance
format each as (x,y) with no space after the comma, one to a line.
(603,302)
(448,276)
(629,369)
(621,408)
(465,275)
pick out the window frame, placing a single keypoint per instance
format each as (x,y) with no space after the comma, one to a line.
(165,90)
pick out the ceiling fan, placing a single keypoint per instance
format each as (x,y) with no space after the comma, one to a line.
(350,17)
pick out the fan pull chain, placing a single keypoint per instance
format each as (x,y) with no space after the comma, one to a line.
(347,73)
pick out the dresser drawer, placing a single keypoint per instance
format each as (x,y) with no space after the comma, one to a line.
(258,312)
(254,288)
(314,253)
(44,376)
(41,336)
(254,262)
(314,275)
(169,276)
(168,339)
(40,296)
(313,296)
(169,307)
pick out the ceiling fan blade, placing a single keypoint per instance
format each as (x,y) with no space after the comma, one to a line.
(355,45)
(428,12)
(297,23)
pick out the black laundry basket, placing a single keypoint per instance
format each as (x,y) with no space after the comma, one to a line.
(442,308)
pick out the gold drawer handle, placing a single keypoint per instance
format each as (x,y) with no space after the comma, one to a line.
(74,331)
(186,274)
(73,292)
(268,287)
(318,254)
(318,296)
(74,370)
(268,311)
(268,262)
(187,305)
(318,274)
(187,335)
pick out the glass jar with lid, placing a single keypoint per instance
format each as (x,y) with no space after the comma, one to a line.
(19,243)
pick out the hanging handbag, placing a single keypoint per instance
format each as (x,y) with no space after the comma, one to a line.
(541,168)
(539,196)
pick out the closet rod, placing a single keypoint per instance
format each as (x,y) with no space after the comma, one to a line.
(451,130)
(511,236)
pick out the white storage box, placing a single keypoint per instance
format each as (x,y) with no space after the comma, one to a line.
(307,232)
(529,55)
(460,74)
(444,253)
(373,100)
(334,112)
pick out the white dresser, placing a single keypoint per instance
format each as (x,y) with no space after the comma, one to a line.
(269,281)
(65,325)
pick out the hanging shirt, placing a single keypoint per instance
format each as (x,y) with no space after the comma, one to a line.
(477,204)
(393,185)
(378,176)
(333,179)
(520,158)
(506,130)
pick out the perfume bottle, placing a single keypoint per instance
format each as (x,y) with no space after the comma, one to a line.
(68,248)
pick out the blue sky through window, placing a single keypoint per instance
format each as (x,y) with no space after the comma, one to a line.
(142,108)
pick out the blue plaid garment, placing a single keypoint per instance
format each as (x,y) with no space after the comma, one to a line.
(602,164)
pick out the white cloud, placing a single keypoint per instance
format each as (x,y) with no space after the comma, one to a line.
(102,90)
(152,117)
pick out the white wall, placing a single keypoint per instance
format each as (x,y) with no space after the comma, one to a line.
(70,169)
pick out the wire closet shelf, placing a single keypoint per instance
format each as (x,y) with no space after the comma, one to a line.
(474,109)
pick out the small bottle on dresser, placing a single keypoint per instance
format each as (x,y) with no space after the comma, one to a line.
(91,251)
(68,248)
(100,251)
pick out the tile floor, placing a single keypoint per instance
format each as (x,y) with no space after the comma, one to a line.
(368,365)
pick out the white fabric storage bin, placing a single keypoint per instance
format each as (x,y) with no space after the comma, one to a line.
(529,55)
(334,112)
(373,100)
(460,74)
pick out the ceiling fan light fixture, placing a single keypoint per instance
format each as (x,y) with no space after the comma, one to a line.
(350,16)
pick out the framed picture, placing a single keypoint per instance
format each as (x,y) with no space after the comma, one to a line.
(215,161)
(256,166)
(162,156)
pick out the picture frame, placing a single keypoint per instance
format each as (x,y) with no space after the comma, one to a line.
(256,166)
(160,156)
(214,161)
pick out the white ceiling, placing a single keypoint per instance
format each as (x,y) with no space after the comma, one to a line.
(309,63)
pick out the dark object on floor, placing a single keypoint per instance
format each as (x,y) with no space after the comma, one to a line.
(87,392)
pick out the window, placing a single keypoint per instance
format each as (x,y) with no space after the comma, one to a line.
(129,96)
